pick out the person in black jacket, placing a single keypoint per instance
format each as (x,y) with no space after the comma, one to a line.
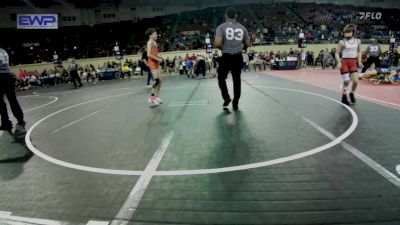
(201,66)
(73,72)
(145,67)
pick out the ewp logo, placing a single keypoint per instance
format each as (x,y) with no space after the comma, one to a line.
(37,21)
(370,15)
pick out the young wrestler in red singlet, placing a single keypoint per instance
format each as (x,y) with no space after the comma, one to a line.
(349,58)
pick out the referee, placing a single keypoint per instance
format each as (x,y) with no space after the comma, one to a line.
(7,88)
(232,38)
(73,72)
(374,52)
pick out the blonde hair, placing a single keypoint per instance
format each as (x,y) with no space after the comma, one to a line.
(350,28)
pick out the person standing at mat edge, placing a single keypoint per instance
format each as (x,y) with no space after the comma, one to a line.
(350,50)
(232,38)
(154,65)
(7,88)
(145,67)
(73,72)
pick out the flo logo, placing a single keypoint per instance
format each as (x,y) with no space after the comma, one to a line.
(369,15)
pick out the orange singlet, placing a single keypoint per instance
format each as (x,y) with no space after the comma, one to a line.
(153,64)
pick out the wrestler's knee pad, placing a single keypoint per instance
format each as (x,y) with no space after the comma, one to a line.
(156,83)
(345,85)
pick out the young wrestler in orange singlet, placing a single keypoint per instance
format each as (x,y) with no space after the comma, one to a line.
(154,65)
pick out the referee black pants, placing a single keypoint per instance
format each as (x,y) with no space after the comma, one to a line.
(201,67)
(75,77)
(7,88)
(369,62)
(230,63)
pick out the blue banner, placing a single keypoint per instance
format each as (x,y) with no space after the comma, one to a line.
(37,21)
